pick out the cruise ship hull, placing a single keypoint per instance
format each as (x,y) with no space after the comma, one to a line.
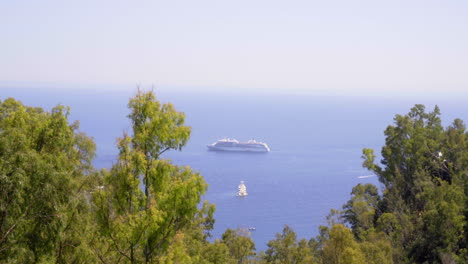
(236,149)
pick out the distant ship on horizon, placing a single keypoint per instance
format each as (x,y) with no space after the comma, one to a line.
(228,144)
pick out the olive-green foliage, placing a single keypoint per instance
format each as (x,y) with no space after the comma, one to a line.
(143,226)
(44,178)
(240,245)
(54,208)
(217,253)
(192,242)
(359,212)
(376,247)
(285,249)
(421,215)
(341,247)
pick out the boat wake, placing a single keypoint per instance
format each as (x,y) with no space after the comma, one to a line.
(365,176)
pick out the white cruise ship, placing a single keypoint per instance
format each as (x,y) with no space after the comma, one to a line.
(228,144)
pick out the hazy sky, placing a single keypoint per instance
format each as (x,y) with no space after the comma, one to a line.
(399,46)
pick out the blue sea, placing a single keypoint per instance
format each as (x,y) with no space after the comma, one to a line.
(315,140)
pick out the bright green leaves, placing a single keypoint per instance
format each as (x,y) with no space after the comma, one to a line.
(156,128)
(146,226)
(217,253)
(44,170)
(338,244)
(369,159)
(377,248)
(240,245)
(177,191)
(55,209)
(286,249)
(341,247)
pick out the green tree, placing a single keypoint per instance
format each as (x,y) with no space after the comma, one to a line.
(217,253)
(240,245)
(195,238)
(360,210)
(443,224)
(285,249)
(376,247)
(177,252)
(316,244)
(45,166)
(424,170)
(140,225)
(341,247)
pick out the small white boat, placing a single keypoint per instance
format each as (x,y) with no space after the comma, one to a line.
(242,190)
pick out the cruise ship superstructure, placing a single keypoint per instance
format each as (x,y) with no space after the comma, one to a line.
(228,144)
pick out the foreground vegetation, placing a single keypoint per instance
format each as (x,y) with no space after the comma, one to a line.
(56,208)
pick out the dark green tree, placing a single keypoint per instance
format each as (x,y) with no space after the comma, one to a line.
(424,173)
(359,212)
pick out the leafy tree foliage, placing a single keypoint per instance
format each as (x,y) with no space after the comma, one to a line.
(240,245)
(140,226)
(421,215)
(341,247)
(360,210)
(54,208)
(217,253)
(424,172)
(286,249)
(44,176)
(376,247)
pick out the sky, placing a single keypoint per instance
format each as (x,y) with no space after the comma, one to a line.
(366,47)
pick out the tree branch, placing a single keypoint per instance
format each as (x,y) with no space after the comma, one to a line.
(164,150)
(118,249)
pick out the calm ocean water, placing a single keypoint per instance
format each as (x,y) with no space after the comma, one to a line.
(315,142)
